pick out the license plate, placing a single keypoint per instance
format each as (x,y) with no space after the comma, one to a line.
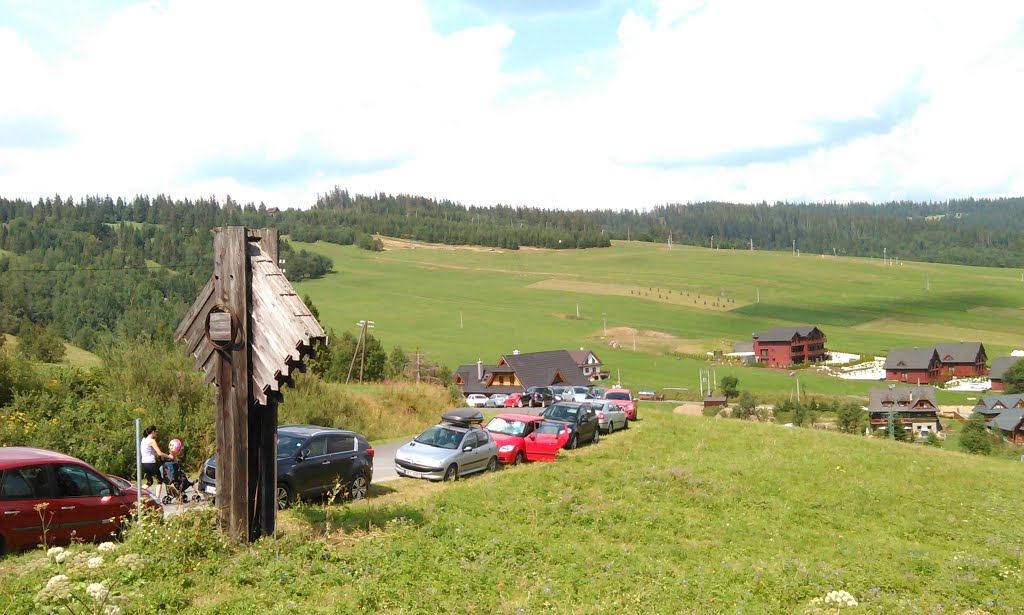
(211,490)
(414,474)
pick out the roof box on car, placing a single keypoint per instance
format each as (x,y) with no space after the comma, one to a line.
(463,417)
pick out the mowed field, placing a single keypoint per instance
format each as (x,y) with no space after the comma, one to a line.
(461,304)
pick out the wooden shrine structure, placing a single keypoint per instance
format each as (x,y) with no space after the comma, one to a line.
(248,331)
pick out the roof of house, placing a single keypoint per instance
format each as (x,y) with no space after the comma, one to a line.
(903,399)
(910,358)
(785,334)
(1009,420)
(1000,365)
(541,368)
(959,352)
(993,404)
(580,356)
(743,347)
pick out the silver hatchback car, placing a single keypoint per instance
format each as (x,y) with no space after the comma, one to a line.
(455,447)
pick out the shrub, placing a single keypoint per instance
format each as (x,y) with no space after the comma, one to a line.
(974,437)
(39,343)
(730,386)
(850,417)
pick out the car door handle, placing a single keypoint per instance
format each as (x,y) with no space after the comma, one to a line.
(326,463)
(11,512)
(67,507)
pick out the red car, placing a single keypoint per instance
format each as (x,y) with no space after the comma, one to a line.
(624,399)
(43,491)
(526,437)
(514,400)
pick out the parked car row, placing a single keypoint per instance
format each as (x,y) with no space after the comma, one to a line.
(539,397)
(460,445)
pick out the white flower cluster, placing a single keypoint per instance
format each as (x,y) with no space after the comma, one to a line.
(57,588)
(94,562)
(840,599)
(132,561)
(54,552)
(111,609)
(98,592)
(106,547)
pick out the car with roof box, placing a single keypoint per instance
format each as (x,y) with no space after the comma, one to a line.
(455,447)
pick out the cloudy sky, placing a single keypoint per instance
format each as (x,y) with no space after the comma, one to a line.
(549,103)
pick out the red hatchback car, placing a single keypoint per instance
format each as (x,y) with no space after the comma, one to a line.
(67,498)
(524,437)
(624,399)
(514,400)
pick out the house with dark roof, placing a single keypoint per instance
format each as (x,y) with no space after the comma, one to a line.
(785,346)
(999,367)
(961,360)
(589,363)
(916,408)
(913,365)
(1009,424)
(991,406)
(516,372)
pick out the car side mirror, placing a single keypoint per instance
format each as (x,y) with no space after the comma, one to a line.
(300,456)
(466,449)
(533,436)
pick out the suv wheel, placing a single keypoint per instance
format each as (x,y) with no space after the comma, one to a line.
(359,488)
(492,464)
(597,436)
(574,442)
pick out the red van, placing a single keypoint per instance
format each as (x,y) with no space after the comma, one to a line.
(43,491)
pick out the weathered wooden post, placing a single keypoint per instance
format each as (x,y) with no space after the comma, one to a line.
(248,330)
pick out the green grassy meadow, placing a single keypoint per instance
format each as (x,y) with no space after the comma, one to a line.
(678,514)
(685,300)
(73,355)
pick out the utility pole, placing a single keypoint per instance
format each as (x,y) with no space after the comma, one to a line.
(798,390)
(713,247)
(751,244)
(604,317)
(927,282)
(361,342)
(577,310)
(460,319)
(794,246)
(670,241)
(883,255)
(634,340)
(759,295)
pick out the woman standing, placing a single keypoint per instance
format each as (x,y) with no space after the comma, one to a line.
(151,454)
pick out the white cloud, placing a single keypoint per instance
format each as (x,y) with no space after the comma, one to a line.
(716,100)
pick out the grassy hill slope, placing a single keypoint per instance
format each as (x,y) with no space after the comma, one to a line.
(679,514)
(73,355)
(686,300)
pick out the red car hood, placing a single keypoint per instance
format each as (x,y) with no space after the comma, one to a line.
(502,439)
(622,403)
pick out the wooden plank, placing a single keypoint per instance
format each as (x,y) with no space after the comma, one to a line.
(196,311)
(196,332)
(231,281)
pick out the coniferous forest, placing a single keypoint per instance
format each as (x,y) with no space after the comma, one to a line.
(100,268)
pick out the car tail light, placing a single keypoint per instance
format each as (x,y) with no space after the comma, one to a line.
(369,452)
(600,415)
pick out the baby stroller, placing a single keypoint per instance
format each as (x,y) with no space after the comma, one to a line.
(178,485)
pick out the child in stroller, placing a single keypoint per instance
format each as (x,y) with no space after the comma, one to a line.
(175,478)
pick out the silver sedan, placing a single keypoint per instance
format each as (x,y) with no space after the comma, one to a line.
(447,452)
(609,416)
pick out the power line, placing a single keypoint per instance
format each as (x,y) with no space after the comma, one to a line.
(77,269)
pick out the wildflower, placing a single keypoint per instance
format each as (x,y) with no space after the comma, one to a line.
(57,588)
(129,560)
(111,609)
(106,547)
(61,557)
(54,551)
(95,562)
(97,591)
(840,599)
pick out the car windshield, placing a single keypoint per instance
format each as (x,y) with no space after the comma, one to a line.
(561,413)
(287,445)
(506,427)
(617,395)
(582,390)
(441,437)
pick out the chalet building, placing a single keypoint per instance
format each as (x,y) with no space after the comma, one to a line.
(912,365)
(916,407)
(961,360)
(516,372)
(991,406)
(940,363)
(589,363)
(785,346)
(999,367)
(1010,425)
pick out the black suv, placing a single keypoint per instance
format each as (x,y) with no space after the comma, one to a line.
(581,418)
(537,396)
(311,461)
